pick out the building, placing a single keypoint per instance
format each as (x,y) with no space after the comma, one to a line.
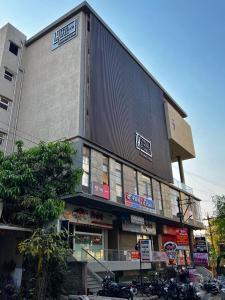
(76,80)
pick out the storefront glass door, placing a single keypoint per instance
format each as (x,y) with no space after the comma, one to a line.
(90,240)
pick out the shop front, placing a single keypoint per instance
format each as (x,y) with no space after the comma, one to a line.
(88,230)
(135,228)
(175,243)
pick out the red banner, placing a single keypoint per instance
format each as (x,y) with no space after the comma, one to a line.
(182,237)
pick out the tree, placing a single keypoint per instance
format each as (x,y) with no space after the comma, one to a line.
(32,184)
(218,222)
(33,181)
(49,249)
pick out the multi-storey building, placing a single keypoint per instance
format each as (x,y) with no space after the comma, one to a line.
(76,80)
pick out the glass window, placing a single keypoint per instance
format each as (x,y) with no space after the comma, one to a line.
(4,103)
(13,48)
(105,170)
(157,194)
(8,75)
(174,203)
(135,182)
(119,188)
(2,138)
(147,192)
(86,167)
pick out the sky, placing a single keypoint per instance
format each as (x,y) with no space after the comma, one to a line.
(182,43)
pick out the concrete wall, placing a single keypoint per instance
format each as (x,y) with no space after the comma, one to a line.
(179,134)
(10,89)
(51,96)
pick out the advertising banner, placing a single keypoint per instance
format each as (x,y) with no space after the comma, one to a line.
(136,201)
(200,244)
(81,215)
(145,250)
(201,259)
(100,190)
(182,237)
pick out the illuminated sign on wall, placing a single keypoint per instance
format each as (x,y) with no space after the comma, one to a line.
(65,33)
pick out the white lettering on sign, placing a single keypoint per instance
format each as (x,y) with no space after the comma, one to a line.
(65,33)
(144,146)
(145,250)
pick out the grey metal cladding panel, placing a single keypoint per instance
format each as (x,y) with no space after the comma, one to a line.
(124,100)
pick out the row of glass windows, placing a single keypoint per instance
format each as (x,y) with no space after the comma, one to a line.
(122,179)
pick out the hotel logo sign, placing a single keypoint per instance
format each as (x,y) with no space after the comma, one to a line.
(64,34)
(144,146)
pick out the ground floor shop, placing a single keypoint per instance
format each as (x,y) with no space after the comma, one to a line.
(97,234)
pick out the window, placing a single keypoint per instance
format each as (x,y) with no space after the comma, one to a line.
(13,48)
(4,103)
(174,203)
(2,138)
(157,194)
(105,170)
(147,192)
(86,167)
(8,75)
(119,188)
(135,189)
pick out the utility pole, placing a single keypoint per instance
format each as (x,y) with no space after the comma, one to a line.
(181,217)
(211,239)
(210,230)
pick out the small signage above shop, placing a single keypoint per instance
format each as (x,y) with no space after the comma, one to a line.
(148,227)
(137,220)
(81,215)
(144,146)
(182,238)
(65,33)
(100,190)
(136,201)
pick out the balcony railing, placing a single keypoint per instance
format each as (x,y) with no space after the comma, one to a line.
(115,255)
(182,186)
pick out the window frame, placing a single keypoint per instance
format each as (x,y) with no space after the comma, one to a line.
(119,198)
(2,137)
(4,105)
(14,46)
(8,75)
(88,173)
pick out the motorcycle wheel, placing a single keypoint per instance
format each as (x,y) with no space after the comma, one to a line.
(100,293)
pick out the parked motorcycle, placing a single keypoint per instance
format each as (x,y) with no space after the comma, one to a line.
(117,290)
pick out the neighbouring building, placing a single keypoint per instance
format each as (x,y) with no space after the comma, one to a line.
(76,80)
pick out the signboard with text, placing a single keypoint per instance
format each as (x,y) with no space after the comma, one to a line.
(65,33)
(182,238)
(81,215)
(201,259)
(200,244)
(145,250)
(136,201)
(100,190)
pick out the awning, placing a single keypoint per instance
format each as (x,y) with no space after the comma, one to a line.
(14,228)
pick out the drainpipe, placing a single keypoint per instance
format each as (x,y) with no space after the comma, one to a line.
(14,97)
(181,170)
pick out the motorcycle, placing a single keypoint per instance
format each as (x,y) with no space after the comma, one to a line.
(117,290)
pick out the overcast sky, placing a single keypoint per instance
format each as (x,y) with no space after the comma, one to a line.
(182,43)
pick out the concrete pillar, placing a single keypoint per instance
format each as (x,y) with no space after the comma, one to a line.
(181,170)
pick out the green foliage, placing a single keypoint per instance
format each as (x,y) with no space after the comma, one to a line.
(47,250)
(33,181)
(218,222)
